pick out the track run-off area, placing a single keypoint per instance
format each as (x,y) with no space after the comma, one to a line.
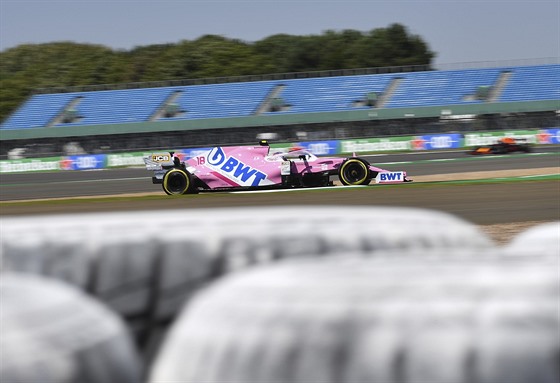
(484,190)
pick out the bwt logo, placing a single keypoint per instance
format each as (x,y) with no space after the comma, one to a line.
(234,168)
(387,177)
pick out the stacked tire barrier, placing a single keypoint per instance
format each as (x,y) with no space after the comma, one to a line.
(53,333)
(425,317)
(541,238)
(300,294)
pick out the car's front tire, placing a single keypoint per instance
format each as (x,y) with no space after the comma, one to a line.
(177,181)
(354,171)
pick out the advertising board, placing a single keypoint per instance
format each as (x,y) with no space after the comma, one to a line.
(319,148)
(32,165)
(84,162)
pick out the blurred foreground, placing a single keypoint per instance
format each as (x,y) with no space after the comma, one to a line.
(277,294)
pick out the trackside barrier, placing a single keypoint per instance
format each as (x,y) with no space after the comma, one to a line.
(31,165)
(416,316)
(145,271)
(47,335)
(370,284)
(421,142)
(319,148)
(542,136)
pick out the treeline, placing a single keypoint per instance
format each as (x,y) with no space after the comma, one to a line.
(28,67)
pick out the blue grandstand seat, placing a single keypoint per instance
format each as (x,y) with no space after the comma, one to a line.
(38,111)
(330,94)
(222,100)
(120,106)
(533,84)
(436,88)
(321,94)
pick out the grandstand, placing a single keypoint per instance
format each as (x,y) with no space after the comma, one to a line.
(312,95)
(285,102)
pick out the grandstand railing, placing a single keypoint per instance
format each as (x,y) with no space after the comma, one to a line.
(499,64)
(231,79)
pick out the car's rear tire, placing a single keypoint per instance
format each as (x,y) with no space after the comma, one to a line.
(177,181)
(354,171)
(499,150)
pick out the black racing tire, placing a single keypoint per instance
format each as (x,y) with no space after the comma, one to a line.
(145,265)
(177,181)
(52,332)
(354,171)
(426,317)
(499,150)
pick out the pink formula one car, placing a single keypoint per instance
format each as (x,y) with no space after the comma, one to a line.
(254,167)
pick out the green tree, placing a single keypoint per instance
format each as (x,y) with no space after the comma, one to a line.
(391,46)
(280,51)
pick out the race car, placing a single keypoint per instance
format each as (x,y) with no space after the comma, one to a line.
(505,145)
(254,167)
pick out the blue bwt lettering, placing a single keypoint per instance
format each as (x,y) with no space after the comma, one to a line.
(234,167)
(230,164)
(389,176)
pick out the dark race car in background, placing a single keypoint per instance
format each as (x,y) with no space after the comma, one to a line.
(255,167)
(505,145)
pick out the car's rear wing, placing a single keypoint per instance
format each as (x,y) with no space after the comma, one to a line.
(158,161)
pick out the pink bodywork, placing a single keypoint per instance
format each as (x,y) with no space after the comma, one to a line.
(250,166)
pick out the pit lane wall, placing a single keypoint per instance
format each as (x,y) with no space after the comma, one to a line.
(320,148)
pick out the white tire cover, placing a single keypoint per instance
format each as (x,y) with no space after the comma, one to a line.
(53,333)
(416,317)
(542,238)
(144,265)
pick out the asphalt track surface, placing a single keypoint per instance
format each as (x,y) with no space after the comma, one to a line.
(481,203)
